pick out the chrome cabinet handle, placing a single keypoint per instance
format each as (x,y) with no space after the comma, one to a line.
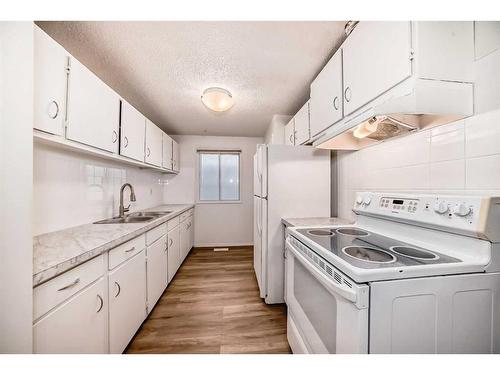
(336,103)
(101,303)
(125,141)
(130,250)
(291,140)
(148,152)
(347,94)
(170,242)
(53,114)
(119,289)
(69,285)
(115,136)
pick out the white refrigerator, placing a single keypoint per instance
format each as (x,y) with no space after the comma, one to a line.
(289,181)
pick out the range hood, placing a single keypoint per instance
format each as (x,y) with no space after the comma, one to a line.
(411,106)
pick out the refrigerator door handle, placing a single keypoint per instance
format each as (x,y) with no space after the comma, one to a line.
(259,218)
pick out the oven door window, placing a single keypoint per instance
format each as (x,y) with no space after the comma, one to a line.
(318,304)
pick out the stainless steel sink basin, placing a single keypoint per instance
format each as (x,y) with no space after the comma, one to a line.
(135,217)
(127,219)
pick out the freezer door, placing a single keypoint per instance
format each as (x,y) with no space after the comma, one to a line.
(260,171)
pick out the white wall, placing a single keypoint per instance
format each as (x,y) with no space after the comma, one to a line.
(275,133)
(216,224)
(16,246)
(458,158)
(71,189)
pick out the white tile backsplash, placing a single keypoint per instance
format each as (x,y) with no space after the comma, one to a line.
(441,160)
(71,189)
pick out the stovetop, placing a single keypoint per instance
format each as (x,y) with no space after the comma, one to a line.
(368,250)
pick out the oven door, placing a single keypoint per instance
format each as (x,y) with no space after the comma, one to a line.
(327,312)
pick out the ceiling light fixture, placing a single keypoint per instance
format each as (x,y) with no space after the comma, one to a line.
(217,99)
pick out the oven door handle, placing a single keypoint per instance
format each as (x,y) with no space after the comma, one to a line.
(332,287)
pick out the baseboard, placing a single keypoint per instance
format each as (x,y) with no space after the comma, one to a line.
(229,245)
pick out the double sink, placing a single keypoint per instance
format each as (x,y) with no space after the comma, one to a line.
(136,217)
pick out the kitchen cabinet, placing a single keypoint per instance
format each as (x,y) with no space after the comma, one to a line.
(176,163)
(290,133)
(167,152)
(132,132)
(50,78)
(301,122)
(326,105)
(174,251)
(93,110)
(157,258)
(78,325)
(376,57)
(186,237)
(154,144)
(127,301)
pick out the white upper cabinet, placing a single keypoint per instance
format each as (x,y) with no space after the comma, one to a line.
(93,110)
(290,133)
(132,132)
(326,104)
(154,144)
(50,84)
(167,152)
(176,163)
(376,57)
(302,134)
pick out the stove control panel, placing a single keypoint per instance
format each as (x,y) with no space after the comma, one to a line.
(471,215)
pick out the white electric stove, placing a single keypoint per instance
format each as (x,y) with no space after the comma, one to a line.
(414,274)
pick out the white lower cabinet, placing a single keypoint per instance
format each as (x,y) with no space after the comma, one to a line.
(174,252)
(186,237)
(127,301)
(76,326)
(157,273)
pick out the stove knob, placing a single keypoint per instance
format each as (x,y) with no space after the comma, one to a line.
(367,200)
(359,200)
(441,208)
(462,210)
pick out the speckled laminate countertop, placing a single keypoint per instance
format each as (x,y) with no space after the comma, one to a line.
(57,252)
(312,221)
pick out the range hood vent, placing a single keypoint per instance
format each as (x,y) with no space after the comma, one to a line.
(414,105)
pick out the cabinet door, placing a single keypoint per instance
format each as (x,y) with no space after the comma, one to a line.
(132,132)
(127,301)
(156,270)
(290,133)
(77,326)
(376,57)
(185,239)
(302,125)
(174,256)
(326,105)
(191,234)
(167,152)
(50,61)
(176,164)
(154,144)
(93,110)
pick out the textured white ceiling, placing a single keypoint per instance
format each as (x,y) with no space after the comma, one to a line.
(163,67)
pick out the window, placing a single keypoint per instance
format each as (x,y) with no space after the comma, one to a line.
(219,176)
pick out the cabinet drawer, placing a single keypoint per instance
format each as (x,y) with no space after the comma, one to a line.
(172,223)
(53,292)
(125,251)
(155,233)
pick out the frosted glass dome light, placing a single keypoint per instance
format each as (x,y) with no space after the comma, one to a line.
(217,99)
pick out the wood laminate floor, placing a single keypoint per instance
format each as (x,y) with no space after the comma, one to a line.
(213,306)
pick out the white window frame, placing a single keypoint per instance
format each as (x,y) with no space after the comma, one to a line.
(198,176)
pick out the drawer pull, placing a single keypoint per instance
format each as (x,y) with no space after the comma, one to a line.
(119,289)
(69,285)
(101,303)
(130,250)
